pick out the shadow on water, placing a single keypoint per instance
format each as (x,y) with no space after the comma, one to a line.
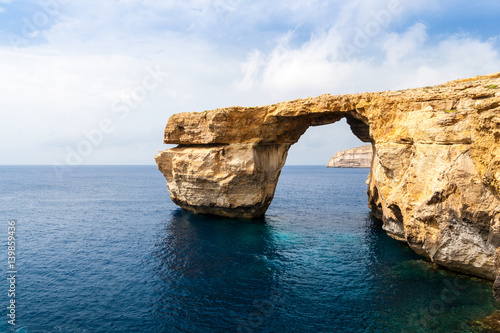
(220,275)
(95,256)
(213,273)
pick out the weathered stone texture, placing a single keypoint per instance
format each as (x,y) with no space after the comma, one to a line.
(435,176)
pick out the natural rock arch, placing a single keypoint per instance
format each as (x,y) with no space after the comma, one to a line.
(229,160)
(435,176)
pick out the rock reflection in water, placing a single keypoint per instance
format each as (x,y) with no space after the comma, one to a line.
(228,266)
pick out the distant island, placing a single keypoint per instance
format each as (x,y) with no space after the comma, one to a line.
(359,157)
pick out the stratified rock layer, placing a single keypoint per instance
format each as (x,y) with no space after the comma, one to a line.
(359,157)
(435,175)
(235,180)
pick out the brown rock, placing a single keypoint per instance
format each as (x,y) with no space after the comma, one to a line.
(235,180)
(435,177)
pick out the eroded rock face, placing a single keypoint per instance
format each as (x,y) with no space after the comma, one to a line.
(359,157)
(236,180)
(435,175)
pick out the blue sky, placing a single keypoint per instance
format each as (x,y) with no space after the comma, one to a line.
(95,83)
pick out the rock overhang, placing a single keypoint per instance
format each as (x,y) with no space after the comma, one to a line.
(435,175)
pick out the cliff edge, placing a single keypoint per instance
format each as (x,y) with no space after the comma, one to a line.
(359,157)
(434,179)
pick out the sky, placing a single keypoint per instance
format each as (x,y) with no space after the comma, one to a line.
(95,82)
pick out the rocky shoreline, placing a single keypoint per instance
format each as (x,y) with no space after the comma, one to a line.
(359,157)
(435,173)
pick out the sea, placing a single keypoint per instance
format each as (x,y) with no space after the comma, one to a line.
(103,249)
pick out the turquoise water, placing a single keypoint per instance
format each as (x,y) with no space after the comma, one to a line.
(106,250)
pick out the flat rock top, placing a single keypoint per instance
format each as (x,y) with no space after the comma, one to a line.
(286,121)
(365,149)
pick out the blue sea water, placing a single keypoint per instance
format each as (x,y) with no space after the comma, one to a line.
(105,250)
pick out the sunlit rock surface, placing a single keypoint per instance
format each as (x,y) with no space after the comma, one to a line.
(435,174)
(359,157)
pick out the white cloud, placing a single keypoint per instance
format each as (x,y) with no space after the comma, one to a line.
(407,60)
(400,46)
(53,93)
(217,53)
(388,60)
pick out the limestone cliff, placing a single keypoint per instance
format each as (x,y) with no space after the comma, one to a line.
(435,175)
(359,157)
